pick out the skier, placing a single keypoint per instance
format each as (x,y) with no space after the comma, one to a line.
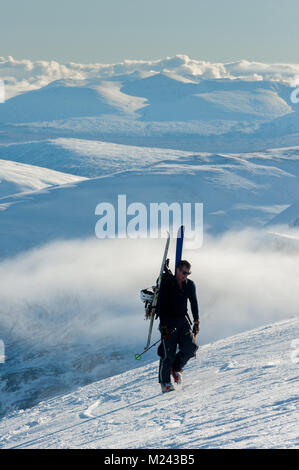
(175,325)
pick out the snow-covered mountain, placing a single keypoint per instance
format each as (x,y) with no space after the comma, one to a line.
(23,74)
(175,103)
(237,190)
(172,130)
(155,98)
(86,157)
(19,178)
(240,392)
(288,217)
(65,99)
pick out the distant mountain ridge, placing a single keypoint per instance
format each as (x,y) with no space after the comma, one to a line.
(159,97)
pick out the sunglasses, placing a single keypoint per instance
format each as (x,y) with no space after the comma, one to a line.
(186,273)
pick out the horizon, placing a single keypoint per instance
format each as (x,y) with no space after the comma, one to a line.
(110,32)
(141,60)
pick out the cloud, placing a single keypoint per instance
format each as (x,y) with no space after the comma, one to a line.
(70,312)
(24,75)
(247,279)
(90,289)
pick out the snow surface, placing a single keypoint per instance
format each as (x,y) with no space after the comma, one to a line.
(19,177)
(155,98)
(176,129)
(174,103)
(240,392)
(237,190)
(54,303)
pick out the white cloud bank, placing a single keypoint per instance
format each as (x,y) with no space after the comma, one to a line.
(24,75)
(90,289)
(70,312)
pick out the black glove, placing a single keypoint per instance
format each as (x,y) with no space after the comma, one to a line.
(165,332)
(195,327)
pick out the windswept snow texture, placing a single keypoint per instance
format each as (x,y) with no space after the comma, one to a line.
(237,190)
(89,158)
(240,392)
(19,178)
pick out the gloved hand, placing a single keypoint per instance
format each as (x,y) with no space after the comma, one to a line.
(164,331)
(195,329)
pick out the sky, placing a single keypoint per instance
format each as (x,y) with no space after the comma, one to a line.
(110,31)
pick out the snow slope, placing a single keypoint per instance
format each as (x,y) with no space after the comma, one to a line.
(169,99)
(52,310)
(288,217)
(156,98)
(19,177)
(68,211)
(237,190)
(65,324)
(175,102)
(86,157)
(69,98)
(240,392)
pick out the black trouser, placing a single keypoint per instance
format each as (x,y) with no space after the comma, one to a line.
(182,336)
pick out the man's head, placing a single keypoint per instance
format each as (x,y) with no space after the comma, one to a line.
(182,270)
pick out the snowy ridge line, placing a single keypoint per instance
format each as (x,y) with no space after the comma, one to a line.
(23,178)
(258,188)
(92,418)
(24,74)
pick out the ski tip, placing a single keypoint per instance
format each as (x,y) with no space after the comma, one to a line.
(181,231)
(137,356)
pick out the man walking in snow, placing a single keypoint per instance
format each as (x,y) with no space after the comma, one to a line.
(175,325)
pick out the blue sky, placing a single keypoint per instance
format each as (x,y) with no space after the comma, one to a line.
(113,30)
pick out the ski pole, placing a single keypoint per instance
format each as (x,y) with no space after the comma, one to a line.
(138,356)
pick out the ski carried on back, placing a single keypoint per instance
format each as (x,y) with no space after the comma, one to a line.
(151,298)
(179,246)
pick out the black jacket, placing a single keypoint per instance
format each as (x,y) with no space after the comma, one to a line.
(172,301)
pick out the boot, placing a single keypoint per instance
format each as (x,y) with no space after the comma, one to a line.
(177,376)
(167,387)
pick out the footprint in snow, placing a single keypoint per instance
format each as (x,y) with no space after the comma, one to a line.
(227,366)
(90,412)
